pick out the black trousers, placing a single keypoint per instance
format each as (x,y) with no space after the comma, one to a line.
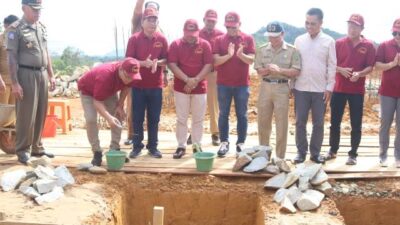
(338,104)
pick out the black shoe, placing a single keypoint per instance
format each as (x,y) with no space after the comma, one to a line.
(155,153)
(179,153)
(128,142)
(239,147)
(135,153)
(97,158)
(223,149)
(215,140)
(23,157)
(48,154)
(189,140)
(318,159)
(298,159)
(197,149)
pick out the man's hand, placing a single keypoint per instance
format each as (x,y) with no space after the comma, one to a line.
(192,82)
(327,97)
(398,59)
(148,63)
(2,86)
(240,50)
(120,113)
(52,82)
(274,68)
(154,66)
(346,72)
(114,122)
(355,76)
(187,89)
(17,91)
(231,49)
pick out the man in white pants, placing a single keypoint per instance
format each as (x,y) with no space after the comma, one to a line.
(190,59)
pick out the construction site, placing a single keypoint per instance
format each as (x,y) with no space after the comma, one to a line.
(167,191)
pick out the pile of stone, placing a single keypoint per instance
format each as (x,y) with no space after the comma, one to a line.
(258,159)
(305,187)
(67,86)
(43,183)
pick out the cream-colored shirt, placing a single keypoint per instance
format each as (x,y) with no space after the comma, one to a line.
(318,60)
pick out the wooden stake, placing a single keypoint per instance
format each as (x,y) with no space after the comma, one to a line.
(158,215)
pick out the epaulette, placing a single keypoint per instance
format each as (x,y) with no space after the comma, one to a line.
(14,25)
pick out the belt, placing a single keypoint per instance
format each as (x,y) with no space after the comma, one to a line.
(32,67)
(275,81)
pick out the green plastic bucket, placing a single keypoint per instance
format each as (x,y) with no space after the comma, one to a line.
(115,159)
(204,161)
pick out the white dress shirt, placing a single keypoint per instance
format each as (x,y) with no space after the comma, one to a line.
(318,59)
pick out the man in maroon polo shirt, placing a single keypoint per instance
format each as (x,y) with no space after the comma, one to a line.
(98,89)
(150,48)
(388,60)
(233,54)
(210,33)
(355,60)
(190,60)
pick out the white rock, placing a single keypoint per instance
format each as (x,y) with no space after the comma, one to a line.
(280,195)
(310,200)
(64,176)
(273,169)
(268,149)
(276,182)
(291,179)
(249,151)
(84,166)
(97,170)
(27,183)
(320,178)
(52,196)
(310,170)
(42,161)
(29,191)
(242,160)
(10,180)
(287,206)
(256,164)
(44,185)
(282,165)
(294,194)
(325,188)
(45,173)
(304,184)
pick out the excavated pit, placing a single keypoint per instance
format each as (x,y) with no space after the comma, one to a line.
(189,207)
(369,211)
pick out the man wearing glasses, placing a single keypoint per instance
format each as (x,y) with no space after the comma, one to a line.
(388,60)
(355,60)
(314,85)
(233,54)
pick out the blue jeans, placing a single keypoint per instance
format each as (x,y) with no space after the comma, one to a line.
(150,101)
(241,97)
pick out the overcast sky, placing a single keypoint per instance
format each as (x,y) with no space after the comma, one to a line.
(89,24)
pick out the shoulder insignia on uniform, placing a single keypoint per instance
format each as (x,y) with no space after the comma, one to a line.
(11,35)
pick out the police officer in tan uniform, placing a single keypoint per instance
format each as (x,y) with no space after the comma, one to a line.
(31,71)
(276,62)
(6,96)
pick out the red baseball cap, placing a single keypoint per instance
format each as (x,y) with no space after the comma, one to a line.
(211,15)
(131,67)
(396,25)
(232,19)
(191,28)
(356,19)
(150,12)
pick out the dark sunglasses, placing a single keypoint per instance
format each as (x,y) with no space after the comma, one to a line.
(231,28)
(395,33)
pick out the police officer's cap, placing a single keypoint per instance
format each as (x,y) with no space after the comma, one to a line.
(274,29)
(36,4)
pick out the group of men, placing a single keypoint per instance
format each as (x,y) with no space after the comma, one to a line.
(211,68)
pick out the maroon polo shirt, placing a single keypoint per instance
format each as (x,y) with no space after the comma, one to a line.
(390,85)
(190,58)
(357,57)
(210,36)
(140,47)
(233,72)
(101,82)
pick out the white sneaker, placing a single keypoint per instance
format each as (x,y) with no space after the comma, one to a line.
(383,163)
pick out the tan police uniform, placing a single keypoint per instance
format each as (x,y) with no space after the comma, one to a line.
(6,97)
(29,43)
(274,94)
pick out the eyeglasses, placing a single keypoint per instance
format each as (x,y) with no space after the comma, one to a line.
(395,33)
(233,28)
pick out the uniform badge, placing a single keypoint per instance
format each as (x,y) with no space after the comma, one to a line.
(29,45)
(198,50)
(11,35)
(157,44)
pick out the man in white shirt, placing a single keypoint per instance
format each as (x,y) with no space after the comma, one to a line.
(314,85)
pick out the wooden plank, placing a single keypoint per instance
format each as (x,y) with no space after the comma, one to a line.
(158,215)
